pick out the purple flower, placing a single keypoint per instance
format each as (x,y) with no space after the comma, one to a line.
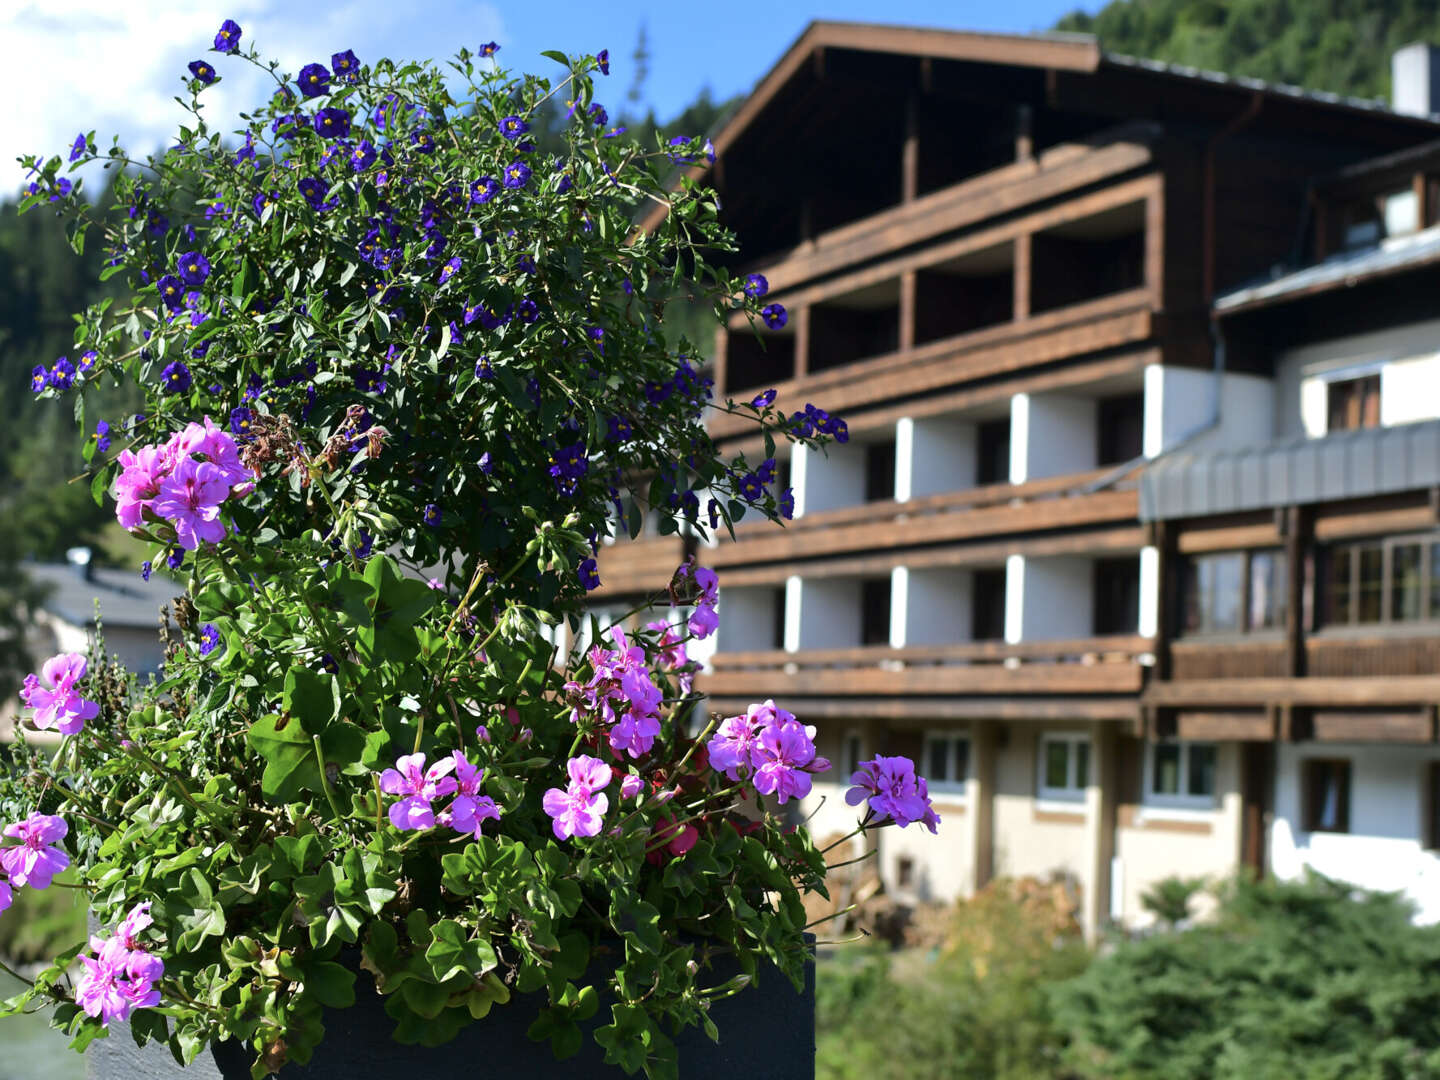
(201,70)
(227,39)
(314,80)
(209,639)
(484,189)
(314,191)
(61,706)
(77,150)
(121,976)
(784,759)
(175,379)
(471,807)
(194,268)
(487,463)
(362,156)
(774,316)
(631,786)
(484,369)
(450,269)
(578,810)
(756,285)
(38,378)
(346,65)
(589,574)
(512,127)
(763,401)
(34,862)
(517,174)
(489,49)
(145,570)
(263,201)
(419,786)
(750,487)
(603,59)
(894,791)
(175,558)
(240,421)
(172,292)
(787,504)
(333,123)
(62,374)
(190,499)
(433,514)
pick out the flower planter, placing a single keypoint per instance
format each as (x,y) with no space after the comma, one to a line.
(767,1032)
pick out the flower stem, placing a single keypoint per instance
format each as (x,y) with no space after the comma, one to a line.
(325,779)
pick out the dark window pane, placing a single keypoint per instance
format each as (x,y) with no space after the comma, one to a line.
(1405,585)
(988,605)
(1165,779)
(939,763)
(1353,403)
(993,452)
(1370,587)
(1201,780)
(853,754)
(1121,428)
(875,611)
(1326,795)
(777,620)
(1117,596)
(1191,614)
(1339,588)
(880,472)
(1227,575)
(1057,763)
(1082,764)
(962,758)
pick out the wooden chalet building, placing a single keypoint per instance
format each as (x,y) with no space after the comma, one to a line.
(999,255)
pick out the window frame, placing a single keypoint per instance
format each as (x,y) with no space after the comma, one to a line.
(1181,800)
(1353,380)
(1070,793)
(1247,562)
(1429,612)
(1308,767)
(957,785)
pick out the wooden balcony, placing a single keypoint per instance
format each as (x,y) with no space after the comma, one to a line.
(636,567)
(1373,656)
(1229,660)
(993,510)
(1100,665)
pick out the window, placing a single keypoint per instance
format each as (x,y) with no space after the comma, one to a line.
(1180,774)
(1064,766)
(1325,795)
(947,760)
(777,618)
(875,611)
(987,621)
(1117,596)
(880,471)
(1120,429)
(853,753)
(1352,404)
(1234,592)
(1392,580)
(993,452)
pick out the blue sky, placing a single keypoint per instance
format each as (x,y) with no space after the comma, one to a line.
(114,65)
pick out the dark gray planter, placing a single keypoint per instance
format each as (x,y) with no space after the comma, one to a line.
(767,1032)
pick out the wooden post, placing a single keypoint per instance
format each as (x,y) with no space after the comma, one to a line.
(1297,546)
(1024,133)
(802,340)
(908,282)
(1167,596)
(1099,830)
(910,154)
(718,362)
(1021,299)
(983,739)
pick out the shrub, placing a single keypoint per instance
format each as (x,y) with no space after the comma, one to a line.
(1313,979)
(1169,898)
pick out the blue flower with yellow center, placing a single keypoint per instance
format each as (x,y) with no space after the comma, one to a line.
(314,80)
(517,174)
(227,39)
(202,71)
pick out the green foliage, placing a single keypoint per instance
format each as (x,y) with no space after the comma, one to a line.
(1342,46)
(1313,979)
(1169,898)
(977,1010)
(416,368)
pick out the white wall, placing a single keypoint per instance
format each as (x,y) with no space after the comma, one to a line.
(1180,400)
(1383,849)
(1149,622)
(828,483)
(1410,392)
(1050,435)
(933,456)
(746,616)
(930,607)
(1048,598)
(822,613)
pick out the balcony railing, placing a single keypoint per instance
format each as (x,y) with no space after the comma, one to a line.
(628,567)
(1098,665)
(993,510)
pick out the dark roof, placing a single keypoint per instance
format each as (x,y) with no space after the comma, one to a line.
(1345,465)
(125,598)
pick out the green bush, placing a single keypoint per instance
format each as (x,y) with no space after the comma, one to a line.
(1169,898)
(975,1009)
(1313,980)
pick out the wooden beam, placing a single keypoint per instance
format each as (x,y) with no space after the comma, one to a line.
(1213,726)
(803,340)
(910,151)
(1024,132)
(907,311)
(1117,645)
(1024,248)
(1054,679)
(925,710)
(1226,537)
(720,362)
(1081,542)
(1410,726)
(1314,691)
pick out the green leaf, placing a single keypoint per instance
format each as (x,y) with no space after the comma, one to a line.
(313,697)
(288,753)
(559,57)
(332,984)
(452,952)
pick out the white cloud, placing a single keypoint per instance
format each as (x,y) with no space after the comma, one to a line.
(115,66)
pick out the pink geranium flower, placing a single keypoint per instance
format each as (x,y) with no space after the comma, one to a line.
(60,706)
(34,862)
(471,808)
(190,499)
(420,786)
(579,809)
(894,791)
